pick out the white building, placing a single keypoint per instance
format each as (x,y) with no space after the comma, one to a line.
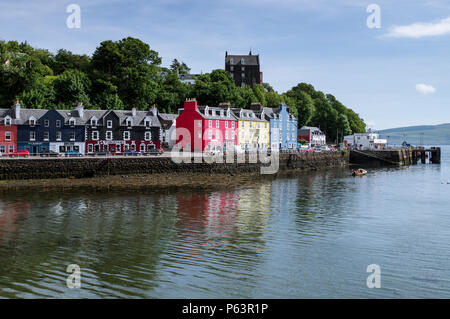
(365,141)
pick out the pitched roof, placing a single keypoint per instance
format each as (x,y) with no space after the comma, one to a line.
(205,110)
(247,115)
(237,59)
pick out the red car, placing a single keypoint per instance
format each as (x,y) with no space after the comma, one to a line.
(19,154)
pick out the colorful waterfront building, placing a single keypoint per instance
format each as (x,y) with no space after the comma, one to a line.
(117,131)
(209,128)
(313,135)
(254,129)
(8,131)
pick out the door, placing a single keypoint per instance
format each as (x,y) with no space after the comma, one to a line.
(35,150)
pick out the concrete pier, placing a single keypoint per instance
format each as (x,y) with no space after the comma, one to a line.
(401,156)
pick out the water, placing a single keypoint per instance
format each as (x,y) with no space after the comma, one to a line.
(312,236)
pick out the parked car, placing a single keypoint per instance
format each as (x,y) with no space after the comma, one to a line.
(132,153)
(325,148)
(49,153)
(154,151)
(19,154)
(73,154)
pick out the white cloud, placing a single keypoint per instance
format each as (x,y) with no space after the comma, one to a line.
(420,29)
(425,88)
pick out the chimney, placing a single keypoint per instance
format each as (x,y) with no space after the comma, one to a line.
(190,105)
(80,109)
(225,105)
(154,110)
(133,111)
(256,106)
(17,109)
(226,53)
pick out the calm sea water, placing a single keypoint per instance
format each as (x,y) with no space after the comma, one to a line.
(311,236)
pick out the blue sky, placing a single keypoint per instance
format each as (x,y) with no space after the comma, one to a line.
(396,75)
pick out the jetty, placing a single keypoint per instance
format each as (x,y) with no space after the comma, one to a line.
(396,156)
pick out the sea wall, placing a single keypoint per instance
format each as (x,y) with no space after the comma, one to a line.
(46,168)
(382,157)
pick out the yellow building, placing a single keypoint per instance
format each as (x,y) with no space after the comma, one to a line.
(253,129)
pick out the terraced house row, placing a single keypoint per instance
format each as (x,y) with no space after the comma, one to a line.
(205,128)
(78,130)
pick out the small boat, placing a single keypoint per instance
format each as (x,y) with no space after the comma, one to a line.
(359,172)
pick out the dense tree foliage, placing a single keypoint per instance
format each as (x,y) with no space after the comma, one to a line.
(126,73)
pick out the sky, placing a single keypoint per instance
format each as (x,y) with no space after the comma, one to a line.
(392,69)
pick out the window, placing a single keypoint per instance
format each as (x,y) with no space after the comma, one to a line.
(94,122)
(126,135)
(58,136)
(148,136)
(226,135)
(231,68)
(62,149)
(118,147)
(32,122)
(76,148)
(226,124)
(109,124)
(231,60)
(251,124)
(129,123)
(217,123)
(209,123)
(95,135)
(199,134)
(32,136)
(46,134)
(126,147)
(72,136)
(133,147)
(209,134)
(72,122)
(11,148)
(7,136)
(242,61)
(47,123)
(142,147)
(58,123)
(90,148)
(232,124)
(243,68)
(7,121)
(147,123)
(2,148)
(243,75)
(109,135)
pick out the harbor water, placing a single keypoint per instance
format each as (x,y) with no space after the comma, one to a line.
(306,236)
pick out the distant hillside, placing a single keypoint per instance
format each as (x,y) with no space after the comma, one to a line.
(423,134)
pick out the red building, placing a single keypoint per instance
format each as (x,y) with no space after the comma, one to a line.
(205,128)
(8,135)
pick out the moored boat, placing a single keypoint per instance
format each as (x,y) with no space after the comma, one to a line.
(359,172)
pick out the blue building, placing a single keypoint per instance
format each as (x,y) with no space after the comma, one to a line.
(41,130)
(283,128)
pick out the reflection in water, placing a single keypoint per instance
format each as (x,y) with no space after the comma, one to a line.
(307,236)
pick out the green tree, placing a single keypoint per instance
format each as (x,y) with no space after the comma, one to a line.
(71,87)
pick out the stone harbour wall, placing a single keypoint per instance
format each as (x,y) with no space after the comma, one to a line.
(47,168)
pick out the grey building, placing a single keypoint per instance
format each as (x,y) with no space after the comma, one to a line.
(244,69)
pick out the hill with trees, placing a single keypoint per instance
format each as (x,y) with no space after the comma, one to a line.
(126,73)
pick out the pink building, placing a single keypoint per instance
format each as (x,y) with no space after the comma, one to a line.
(205,128)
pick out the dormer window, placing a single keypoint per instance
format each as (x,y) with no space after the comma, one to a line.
(147,123)
(129,122)
(7,121)
(72,122)
(32,121)
(242,61)
(94,121)
(231,61)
